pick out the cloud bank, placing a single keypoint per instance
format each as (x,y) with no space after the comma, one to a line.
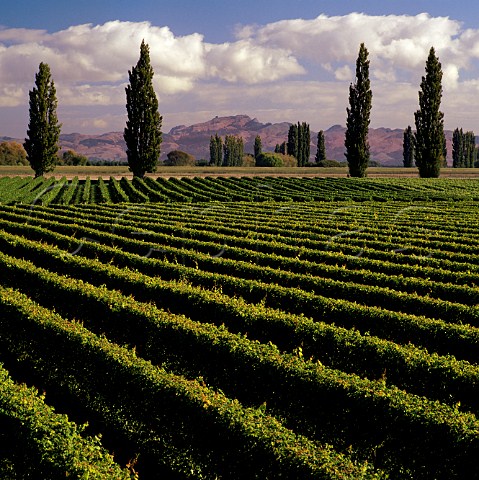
(284,71)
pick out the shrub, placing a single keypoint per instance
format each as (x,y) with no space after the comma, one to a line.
(12,153)
(248,160)
(275,160)
(289,160)
(70,157)
(327,163)
(179,158)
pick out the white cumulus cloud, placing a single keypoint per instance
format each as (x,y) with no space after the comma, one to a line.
(295,69)
(398,44)
(86,60)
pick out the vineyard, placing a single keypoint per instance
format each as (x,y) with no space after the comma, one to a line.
(239,328)
(43,191)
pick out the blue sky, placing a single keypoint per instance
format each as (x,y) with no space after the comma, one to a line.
(274,60)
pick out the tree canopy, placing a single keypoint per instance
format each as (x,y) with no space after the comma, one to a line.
(298,144)
(430,139)
(216,150)
(12,153)
(142,133)
(358,117)
(408,147)
(42,142)
(321,148)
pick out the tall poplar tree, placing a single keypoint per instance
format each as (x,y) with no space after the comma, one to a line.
(458,148)
(463,149)
(305,144)
(358,117)
(292,144)
(321,148)
(142,133)
(408,147)
(298,144)
(43,129)
(216,150)
(233,151)
(430,139)
(258,150)
(470,149)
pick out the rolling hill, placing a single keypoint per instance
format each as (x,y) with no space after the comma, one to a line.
(385,143)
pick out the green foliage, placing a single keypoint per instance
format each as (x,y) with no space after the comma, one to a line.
(43,191)
(68,192)
(46,444)
(86,191)
(147,187)
(298,145)
(207,433)
(358,117)
(103,192)
(429,138)
(132,193)
(43,127)
(142,133)
(216,150)
(283,148)
(257,147)
(328,163)
(463,149)
(233,151)
(12,153)
(179,158)
(322,335)
(70,157)
(321,148)
(268,159)
(408,147)
(116,192)
(292,145)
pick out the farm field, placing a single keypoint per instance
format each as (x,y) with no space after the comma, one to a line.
(239,328)
(46,191)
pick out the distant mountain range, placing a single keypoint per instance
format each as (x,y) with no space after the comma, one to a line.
(385,143)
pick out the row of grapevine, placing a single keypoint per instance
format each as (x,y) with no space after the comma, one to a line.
(405,364)
(105,226)
(248,340)
(37,442)
(208,434)
(371,296)
(257,189)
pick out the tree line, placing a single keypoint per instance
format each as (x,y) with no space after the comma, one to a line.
(227,153)
(142,133)
(13,153)
(230,151)
(425,147)
(464,151)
